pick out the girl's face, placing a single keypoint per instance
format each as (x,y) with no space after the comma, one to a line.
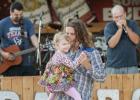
(71,33)
(63,45)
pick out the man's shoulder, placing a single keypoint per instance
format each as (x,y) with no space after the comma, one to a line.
(89,49)
(131,22)
(110,23)
(27,21)
(5,20)
(110,27)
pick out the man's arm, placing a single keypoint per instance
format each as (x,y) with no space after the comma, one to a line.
(132,36)
(6,55)
(95,68)
(114,40)
(34,41)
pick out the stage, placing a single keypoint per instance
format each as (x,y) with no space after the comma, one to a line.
(122,87)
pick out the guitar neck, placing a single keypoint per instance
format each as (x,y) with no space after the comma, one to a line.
(19,53)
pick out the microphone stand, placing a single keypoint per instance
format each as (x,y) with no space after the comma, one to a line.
(38,60)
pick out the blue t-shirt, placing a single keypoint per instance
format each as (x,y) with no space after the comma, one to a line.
(10,34)
(124,54)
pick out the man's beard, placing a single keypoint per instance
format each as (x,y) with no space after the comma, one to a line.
(17,19)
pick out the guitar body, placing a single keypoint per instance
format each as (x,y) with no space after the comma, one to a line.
(6,64)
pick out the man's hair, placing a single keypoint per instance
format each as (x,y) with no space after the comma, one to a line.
(82,34)
(117,8)
(16,5)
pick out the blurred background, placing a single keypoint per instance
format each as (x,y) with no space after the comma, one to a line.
(52,13)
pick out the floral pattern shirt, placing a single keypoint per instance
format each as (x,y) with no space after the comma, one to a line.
(58,75)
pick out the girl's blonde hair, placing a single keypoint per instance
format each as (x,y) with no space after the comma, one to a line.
(58,37)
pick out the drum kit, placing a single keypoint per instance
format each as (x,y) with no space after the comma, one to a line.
(46,51)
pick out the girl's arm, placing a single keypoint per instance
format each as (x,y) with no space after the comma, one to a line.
(68,62)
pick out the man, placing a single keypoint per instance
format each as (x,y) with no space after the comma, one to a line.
(91,68)
(18,31)
(122,36)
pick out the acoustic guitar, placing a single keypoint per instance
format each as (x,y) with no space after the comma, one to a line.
(15,50)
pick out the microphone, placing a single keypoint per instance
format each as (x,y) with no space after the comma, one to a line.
(41,15)
(124,28)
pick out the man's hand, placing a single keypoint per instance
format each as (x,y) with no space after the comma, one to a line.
(8,56)
(121,23)
(84,60)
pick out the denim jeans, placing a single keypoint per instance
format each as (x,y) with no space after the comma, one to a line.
(122,70)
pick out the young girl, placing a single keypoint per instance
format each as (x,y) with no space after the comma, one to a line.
(58,75)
